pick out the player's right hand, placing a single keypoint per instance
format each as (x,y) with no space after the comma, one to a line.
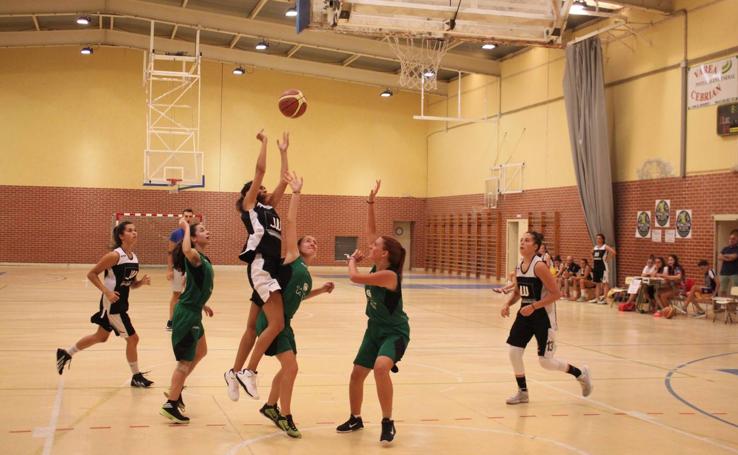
(261,136)
(170,275)
(112,296)
(505,311)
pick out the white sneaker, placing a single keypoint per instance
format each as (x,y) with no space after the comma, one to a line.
(520,397)
(592,301)
(232,382)
(585,380)
(247,379)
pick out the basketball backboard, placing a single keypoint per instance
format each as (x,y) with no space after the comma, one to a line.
(518,21)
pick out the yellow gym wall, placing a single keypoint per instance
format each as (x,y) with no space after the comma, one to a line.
(74,121)
(643,86)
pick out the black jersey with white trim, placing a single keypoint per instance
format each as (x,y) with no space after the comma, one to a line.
(118,279)
(265,232)
(531,289)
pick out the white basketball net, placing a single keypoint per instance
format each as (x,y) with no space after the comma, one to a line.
(419,58)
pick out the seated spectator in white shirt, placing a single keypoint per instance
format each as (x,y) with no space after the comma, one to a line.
(648,270)
(674,278)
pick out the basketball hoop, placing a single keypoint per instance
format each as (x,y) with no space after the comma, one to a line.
(174,183)
(420,57)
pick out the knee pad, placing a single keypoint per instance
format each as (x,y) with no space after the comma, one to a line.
(516,358)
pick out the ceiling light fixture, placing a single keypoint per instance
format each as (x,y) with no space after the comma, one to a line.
(291,12)
(239,71)
(386,93)
(86,51)
(488,46)
(262,45)
(429,73)
(579,7)
(84,20)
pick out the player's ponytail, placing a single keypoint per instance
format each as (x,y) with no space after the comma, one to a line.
(117,232)
(178,257)
(396,255)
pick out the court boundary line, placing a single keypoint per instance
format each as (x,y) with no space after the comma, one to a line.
(667,383)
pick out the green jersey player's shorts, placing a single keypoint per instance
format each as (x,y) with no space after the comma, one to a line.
(382,341)
(187,329)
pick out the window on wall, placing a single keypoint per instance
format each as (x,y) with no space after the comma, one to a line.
(344,246)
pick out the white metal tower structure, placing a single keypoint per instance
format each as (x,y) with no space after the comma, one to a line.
(172,80)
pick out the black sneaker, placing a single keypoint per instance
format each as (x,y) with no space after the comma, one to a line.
(138,380)
(352,424)
(169,325)
(292,430)
(171,411)
(388,432)
(180,402)
(62,358)
(272,413)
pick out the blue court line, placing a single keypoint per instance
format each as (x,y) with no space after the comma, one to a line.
(667,382)
(730,370)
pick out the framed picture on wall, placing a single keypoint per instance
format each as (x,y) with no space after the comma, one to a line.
(683,223)
(661,214)
(643,224)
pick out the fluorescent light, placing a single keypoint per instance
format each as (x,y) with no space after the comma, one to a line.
(579,7)
(386,93)
(488,46)
(429,73)
(86,51)
(262,45)
(84,20)
(239,71)
(291,12)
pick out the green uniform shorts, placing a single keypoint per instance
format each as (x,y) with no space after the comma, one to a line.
(380,341)
(187,329)
(285,340)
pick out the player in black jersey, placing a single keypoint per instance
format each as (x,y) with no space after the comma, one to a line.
(537,290)
(262,253)
(121,268)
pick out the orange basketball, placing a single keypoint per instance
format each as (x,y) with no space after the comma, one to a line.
(292,103)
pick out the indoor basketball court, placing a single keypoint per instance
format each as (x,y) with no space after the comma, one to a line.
(132,126)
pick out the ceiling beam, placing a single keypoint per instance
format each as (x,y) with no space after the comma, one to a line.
(35,23)
(184,3)
(174,31)
(218,53)
(233,24)
(293,51)
(257,9)
(350,60)
(660,6)
(233,42)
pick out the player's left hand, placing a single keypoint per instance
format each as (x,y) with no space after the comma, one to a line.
(208,311)
(527,310)
(328,287)
(285,142)
(145,280)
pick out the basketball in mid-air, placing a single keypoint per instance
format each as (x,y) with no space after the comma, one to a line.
(292,103)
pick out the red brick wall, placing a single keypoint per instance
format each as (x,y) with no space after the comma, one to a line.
(73,225)
(705,195)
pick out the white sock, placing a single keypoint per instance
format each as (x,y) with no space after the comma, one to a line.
(134,367)
(72,349)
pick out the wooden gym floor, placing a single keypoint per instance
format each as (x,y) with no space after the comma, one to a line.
(660,386)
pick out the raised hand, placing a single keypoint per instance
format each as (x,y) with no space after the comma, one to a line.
(285,142)
(261,136)
(357,255)
(183,223)
(293,181)
(374,191)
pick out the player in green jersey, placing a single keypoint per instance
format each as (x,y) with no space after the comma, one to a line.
(388,331)
(296,284)
(188,333)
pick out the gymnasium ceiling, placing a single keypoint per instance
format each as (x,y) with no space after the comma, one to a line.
(229,30)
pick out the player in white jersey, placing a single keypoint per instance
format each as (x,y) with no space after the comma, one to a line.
(601,255)
(536,288)
(121,269)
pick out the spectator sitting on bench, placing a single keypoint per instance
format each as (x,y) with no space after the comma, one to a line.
(703,293)
(568,276)
(583,282)
(673,279)
(648,270)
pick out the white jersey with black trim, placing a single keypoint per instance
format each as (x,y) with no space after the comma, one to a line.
(531,288)
(265,232)
(118,279)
